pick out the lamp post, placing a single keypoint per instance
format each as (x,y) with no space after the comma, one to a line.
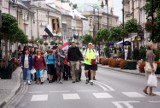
(152,17)
(123,26)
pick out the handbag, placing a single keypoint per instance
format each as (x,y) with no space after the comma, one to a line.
(33,71)
(148,67)
(152,80)
(93,61)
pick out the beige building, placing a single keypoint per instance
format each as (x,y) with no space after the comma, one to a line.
(134,9)
(98,19)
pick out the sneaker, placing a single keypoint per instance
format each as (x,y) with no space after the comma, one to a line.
(60,81)
(91,83)
(50,81)
(77,80)
(73,81)
(29,82)
(41,82)
(87,81)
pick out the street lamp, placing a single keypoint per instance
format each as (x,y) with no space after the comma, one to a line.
(102,5)
(123,27)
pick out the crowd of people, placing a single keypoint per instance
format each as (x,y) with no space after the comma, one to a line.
(60,64)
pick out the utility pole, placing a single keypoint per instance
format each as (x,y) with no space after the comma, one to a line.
(133,8)
(152,17)
(123,26)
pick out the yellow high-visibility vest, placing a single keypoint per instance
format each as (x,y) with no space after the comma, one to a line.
(90,54)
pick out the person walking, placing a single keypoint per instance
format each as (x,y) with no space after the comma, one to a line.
(150,57)
(50,61)
(95,65)
(89,61)
(66,74)
(74,57)
(39,65)
(27,65)
(60,63)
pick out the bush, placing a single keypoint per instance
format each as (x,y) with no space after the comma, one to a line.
(142,53)
(123,64)
(101,60)
(141,66)
(105,62)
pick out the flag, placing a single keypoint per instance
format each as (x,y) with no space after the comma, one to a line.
(48,30)
(65,45)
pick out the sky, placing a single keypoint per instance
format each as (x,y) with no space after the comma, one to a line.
(117,6)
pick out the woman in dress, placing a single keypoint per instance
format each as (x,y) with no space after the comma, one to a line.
(39,65)
(150,57)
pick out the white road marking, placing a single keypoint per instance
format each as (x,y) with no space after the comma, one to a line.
(71,96)
(133,94)
(64,91)
(119,104)
(39,97)
(102,95)
(87,90)
(154,101)
(35,92)
(109,87)
(103,87)
(158,93)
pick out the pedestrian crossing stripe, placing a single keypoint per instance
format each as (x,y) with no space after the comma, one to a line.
(102,95)
(133,94)
(98,95)
(71,96)
(39,97)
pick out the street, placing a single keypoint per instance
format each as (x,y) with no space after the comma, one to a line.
(111,89)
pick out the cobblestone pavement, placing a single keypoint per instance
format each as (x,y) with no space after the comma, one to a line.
(9,87)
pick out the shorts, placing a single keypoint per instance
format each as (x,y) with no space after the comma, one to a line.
(51,69)
(95,67)
(60,68)
(90,67)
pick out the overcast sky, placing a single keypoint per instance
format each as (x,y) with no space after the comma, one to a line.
(117,5)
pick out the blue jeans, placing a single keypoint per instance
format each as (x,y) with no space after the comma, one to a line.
(26,74)
(39,73)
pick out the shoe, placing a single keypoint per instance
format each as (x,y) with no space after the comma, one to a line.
(50,81)
(94,78)
(73,81)
(87,81)
(145,91)
(60,81)
(152,94)
(41,82)
(29,82)
(77,80)
(91,83)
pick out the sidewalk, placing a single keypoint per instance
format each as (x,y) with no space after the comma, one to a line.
(8,88)
(135,72)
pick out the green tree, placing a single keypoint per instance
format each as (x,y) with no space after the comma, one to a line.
(115,33)
(155,26)
(52,42)
(87,39)
(8,30)
(131,26)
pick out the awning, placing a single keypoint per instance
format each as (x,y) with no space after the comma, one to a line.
(127,39)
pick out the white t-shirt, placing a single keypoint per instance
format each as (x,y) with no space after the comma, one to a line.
(26,64)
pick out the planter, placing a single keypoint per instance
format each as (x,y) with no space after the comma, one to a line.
(6,72)
(141,66)
(158,69)
(132,65)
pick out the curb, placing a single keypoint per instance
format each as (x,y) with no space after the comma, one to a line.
(121,70)
(17,75)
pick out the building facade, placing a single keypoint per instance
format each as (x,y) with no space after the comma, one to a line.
(134,9)
(99,19)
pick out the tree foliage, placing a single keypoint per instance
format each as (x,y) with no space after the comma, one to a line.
(9,27)
(87,39)
(131,26)
(153,25)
